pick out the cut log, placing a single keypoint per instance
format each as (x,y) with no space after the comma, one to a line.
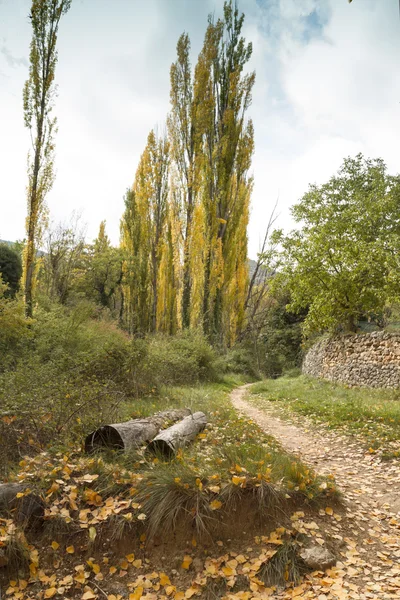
(27,510)
(131,434)
(168,442)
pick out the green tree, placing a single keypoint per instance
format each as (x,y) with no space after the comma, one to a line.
(104,269)
(343,262)
(63,260)
(39,94)
(10,270)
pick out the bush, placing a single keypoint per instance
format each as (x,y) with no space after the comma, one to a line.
(10,269)
(183,359)
(14,329)
(239,360)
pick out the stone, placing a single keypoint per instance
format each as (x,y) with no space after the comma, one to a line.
(317,558)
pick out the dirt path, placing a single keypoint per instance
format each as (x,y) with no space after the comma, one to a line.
(370,525)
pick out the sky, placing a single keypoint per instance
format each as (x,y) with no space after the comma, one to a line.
(327,86)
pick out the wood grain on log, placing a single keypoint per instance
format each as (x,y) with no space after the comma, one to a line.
(179,435)
(131,434)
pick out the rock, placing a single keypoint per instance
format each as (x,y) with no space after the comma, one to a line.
(317,558)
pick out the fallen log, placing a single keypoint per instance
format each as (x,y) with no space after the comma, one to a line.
(168,442)
(131,434)
(26,510)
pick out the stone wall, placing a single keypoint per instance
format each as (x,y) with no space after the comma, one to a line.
(371,359)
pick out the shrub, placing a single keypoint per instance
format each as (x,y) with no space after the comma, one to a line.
(239,360)
(182,359)
(10,269)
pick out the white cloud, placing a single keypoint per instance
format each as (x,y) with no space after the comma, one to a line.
(328,85)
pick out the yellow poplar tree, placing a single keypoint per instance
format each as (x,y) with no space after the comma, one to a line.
(223,91)
(142,235)
(39,93)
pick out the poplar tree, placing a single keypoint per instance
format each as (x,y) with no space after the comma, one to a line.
(182,126)
(143,230)
(38,97)
(223,92)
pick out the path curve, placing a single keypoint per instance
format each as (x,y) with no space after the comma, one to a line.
(371,491)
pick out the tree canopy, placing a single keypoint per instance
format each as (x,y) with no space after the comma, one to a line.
(343,261)
(10,269)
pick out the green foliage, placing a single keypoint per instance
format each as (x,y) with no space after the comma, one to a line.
(10,269)
(280,336)
(183,359)
(14,328)
(342,263)
(239,359)
(103,272)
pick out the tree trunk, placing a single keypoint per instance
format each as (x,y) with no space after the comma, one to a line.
(131,434)
(27,510)
(187,283)
(179,435)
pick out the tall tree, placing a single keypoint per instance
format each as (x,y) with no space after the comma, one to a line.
(223,92)
(143,232)
(183,133)
(39,93)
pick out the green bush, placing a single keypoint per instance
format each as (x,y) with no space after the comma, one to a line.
(10,269)
(239,360)
(182,359)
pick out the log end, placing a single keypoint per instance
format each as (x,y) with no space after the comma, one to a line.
(161,448)
(104,437)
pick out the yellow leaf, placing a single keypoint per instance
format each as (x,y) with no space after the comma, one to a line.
(55,545)
(215,505)
(137,563)
(179,596)
(137,594)
(190,592)
(187,561)
(238,480)
(49,593)
(329,510)
(164,579)
(130,557)
(70,549)
(142,517)
(89,595)
(112,570)
(92,533)
(170,589)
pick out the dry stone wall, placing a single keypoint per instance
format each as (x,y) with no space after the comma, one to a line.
(371,359)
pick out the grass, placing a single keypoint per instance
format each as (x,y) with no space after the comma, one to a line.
(374,414)
(231,462)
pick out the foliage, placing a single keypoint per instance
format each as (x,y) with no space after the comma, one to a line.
(103,272)
(10,269)
(62,262)
(373,414)
(145,227)
(342,263)
(14,328)
(186,247)
(39,93)
(183,359)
